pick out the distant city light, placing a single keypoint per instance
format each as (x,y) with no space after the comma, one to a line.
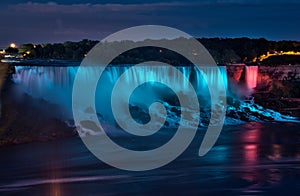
(274,53)
(13,45)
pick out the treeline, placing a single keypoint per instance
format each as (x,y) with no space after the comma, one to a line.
(67,50)
(235,50)
(244,50)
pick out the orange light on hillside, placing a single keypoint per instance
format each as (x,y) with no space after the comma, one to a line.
(275,53)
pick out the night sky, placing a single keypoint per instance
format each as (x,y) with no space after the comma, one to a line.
(41,21)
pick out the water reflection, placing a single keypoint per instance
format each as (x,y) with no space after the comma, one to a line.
(55,186)
(55,189)
(275,152)
(265,155)
(250,150)
(252,159)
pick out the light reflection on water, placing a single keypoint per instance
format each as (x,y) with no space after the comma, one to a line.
(55,187)
(262,156)
(250,159)
(252,172)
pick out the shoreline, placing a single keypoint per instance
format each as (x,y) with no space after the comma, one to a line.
(17,125)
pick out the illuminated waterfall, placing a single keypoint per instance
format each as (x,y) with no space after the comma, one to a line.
(50,83)
(55,83)
(251,76)
(212,78)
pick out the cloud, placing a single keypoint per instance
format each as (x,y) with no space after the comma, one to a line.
(53,7)
(54,22)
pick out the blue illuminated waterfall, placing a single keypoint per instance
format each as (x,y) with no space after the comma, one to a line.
(55,84)
(40,81)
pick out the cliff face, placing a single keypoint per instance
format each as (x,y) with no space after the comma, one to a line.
(235,72)
(277,87)
(267,74)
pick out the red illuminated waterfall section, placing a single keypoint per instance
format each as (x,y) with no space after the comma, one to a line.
(251,76)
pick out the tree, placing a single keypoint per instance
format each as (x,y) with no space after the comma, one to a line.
(11,50)
(25,47)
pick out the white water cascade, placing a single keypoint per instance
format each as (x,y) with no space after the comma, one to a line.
(55,84)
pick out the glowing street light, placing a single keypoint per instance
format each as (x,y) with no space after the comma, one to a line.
(13,45)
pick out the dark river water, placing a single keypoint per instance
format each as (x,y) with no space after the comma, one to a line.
(248,159)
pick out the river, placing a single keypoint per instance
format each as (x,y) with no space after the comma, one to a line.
(249,159)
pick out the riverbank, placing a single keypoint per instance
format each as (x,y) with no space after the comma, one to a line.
(25,119)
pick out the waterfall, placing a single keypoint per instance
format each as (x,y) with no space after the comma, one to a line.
(43,81)
(55,84)
(211,78)
(141,73)
(251,76)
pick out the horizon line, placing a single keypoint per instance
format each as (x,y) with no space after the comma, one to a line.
(78,40)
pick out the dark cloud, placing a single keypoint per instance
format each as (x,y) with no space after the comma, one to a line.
(44,21)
